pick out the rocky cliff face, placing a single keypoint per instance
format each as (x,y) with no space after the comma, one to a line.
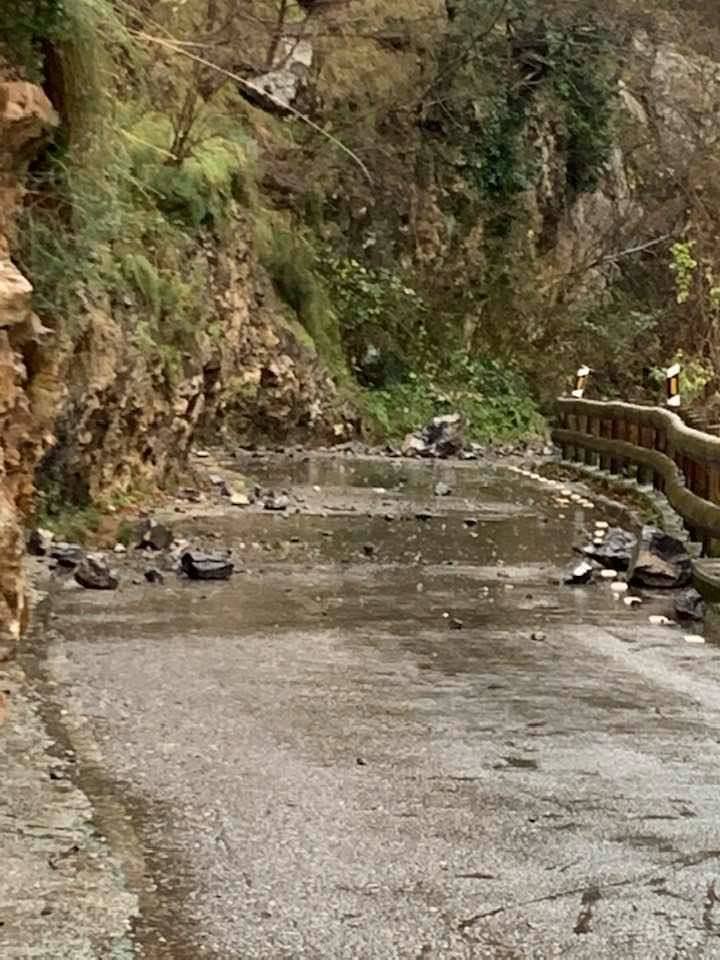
(124,421)
(25,116)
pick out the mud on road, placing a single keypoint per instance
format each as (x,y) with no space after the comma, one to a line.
(394,733)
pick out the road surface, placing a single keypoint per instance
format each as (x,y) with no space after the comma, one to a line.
(391,737)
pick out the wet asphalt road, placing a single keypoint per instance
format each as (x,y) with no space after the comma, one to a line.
(318,765)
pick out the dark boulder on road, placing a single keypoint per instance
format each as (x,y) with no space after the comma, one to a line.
(689,605)
(616,550)
(442,437)
(206,566)
(93,573)
(660,561)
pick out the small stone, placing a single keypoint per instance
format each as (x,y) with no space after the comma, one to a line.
(369,549)
(614,550)
(619,586)
(423,515)
(93,573)
(276,501)
(632,601)
(689,605)
(442,489)
(215,479)
(470,521)
(609,574)
(202,454)
(693,638)
(579,575)
(659,621)
(538,636)
(154,536)
(239,499)
(360,761)
(153,575)
(455,623)
(67,554)
(119,548)
(660,560)
(601,525)
(203,566)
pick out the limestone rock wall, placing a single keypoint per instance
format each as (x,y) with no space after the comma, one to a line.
(25,116)
(250,374)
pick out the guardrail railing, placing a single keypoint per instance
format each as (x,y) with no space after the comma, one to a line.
(654,446)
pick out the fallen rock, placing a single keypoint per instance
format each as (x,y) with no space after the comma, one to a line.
(40,542)
(93,573)
(615,551)
(154,536)
(579,575)
(442,437)
(413,446)
(276,501)
(660,561)
(153,575)
(442,489)
(68,555)
(689,605)
(205,566)
(369,549)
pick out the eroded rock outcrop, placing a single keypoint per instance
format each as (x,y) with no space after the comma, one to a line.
(124,421)
(25,116)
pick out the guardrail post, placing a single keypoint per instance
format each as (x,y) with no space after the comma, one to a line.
(617,433)
(591,454)
(606,433)
(712,547)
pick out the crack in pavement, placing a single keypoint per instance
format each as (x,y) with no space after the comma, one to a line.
(590,897)
(689,860)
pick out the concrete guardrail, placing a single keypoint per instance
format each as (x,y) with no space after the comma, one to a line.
(653,446)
